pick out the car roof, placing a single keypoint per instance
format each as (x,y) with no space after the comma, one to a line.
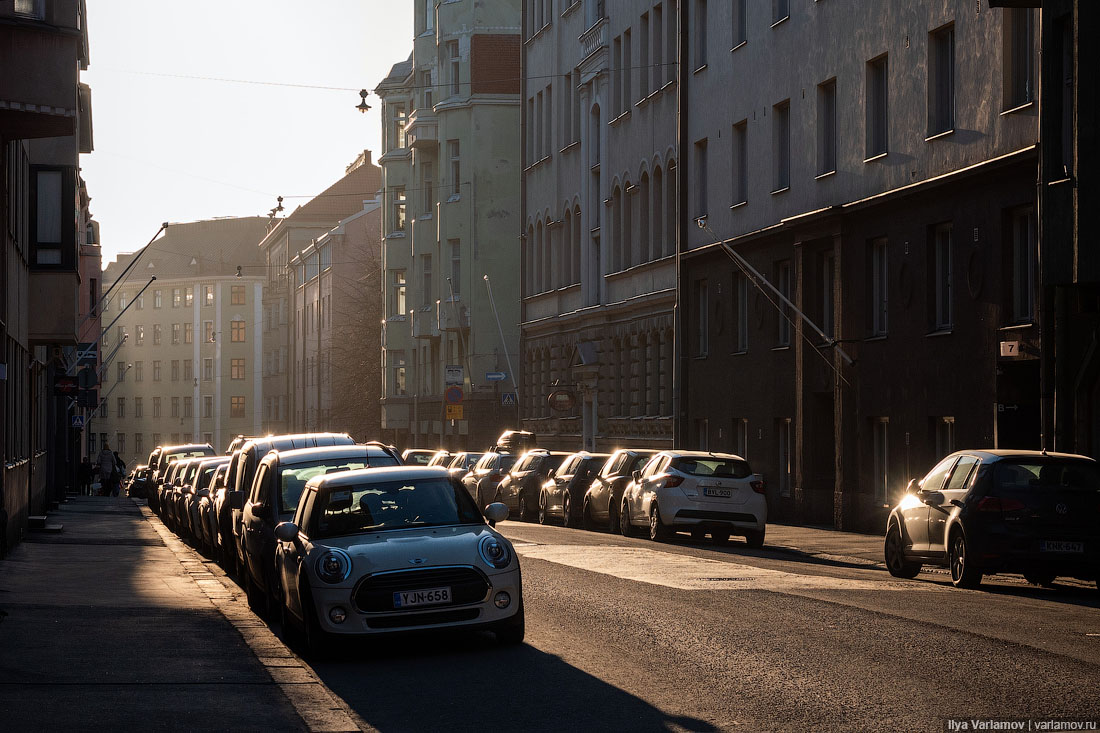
(290,441)
(213,460)
(372,475)
(1000,453)
(701,454)
(303,455)
(184,447)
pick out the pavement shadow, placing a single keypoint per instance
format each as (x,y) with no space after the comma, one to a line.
(771,552)
(467,682)
(1072,595)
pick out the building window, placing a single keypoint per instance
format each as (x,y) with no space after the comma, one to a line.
(208,406)
(121,371)
(1023,265)
(175,407)
(783,283)
(175,333)
(236,369)
(156,370)
(139,408)
(139,303)
(175,370)
(208,332)
(456,266)
(139,443)
(207,295)
(740,161)
(941,269)
(397,292)
(188,370)
(156,438)
(236,332)
(121,407)
(941,80)
(139,335)
(397,369)
(700,34)
(672,35)
(880,277)
(120,443)
(945,435)
(428,296)
(740,26)
(881,476)
(454,153)
(427,184)
(617,76)
(236,295)
(156,334)
(397,199)
(877,100)
(236,406)
(177,297)
(189,297)
(1019,68)
(187,407)
(740,313)
(741,437)
(781,10)
(398,121)
(700,179)
(188,333)
(783,432)
(781,145)
(158,299)
(139,371)
(826,127)
(426,89)
(455,66)
(702,321)
(643,60)
(91,444)
(207,370)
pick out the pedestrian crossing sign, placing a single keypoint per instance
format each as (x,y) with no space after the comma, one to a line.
(508,399)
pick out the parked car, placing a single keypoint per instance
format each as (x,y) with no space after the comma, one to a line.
(243,471)
(699,492)
(200,490)
(160,461)
(394,549)
(461,463)
(137,483)
(417,456)
(280,479)
(440,458)
(516,441)
(482,480)
(990,511)
(208,516)
(602,500)
(562,494)
(179,484)
(521,488)
(223,514)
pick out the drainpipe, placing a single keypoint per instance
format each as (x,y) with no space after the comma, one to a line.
(679,364)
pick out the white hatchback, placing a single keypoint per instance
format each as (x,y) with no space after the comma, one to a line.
(698,492)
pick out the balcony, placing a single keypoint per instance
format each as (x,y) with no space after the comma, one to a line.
(452,316)
(52,305)
(423,129)
(425,324)
(594,39)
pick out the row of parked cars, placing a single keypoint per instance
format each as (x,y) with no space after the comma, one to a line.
(631,491)
(336,538)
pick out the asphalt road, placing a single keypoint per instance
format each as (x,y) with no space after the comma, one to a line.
(625,634)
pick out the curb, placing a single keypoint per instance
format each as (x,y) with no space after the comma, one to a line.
(320,709)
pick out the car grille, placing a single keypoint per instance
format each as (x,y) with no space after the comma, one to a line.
(722,516)
(375,592)
(423,619)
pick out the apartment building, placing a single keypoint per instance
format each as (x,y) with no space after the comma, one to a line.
(857,242)
(182,358)
(450,226)
(600,203)
(45,125)
(288,238)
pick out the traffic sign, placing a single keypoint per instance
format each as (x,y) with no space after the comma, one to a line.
(78,421)
(452,375)
(508,399)
(453,395)
(87,354)
(454,412)
(64,384)
(495,376)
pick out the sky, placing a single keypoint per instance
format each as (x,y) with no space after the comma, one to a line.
(182,149)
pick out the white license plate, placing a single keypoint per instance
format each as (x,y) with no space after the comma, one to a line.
(1060,546)
(718,493)
(425,597)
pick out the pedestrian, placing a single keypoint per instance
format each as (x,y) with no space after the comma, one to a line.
(105,464)
(84,475)
(120,471)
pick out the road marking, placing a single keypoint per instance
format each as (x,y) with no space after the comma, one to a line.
(691,573)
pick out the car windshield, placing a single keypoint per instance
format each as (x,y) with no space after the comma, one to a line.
(390,505)
(506,462)
(637,463)
(204,479)
(718,467)
(552,462)
(293,479)
(1048,475)
(173,457)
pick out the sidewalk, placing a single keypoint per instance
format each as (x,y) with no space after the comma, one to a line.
(114,624)
(826,544)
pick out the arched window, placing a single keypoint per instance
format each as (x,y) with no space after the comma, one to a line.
(537,264)
(577,245)
(645,247)
(566,252)
(659,245)
(670,209)
(529,273)
(617,234)
(547,256)
(629,207)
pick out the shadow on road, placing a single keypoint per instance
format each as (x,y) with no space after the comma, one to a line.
(467,682)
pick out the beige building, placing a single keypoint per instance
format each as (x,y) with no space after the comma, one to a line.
(183,360)
(451,203)
(600,214)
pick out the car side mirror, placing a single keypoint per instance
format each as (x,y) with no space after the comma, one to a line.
(636,475)
(286,532)
(236,500)
(933,498)
(496,512)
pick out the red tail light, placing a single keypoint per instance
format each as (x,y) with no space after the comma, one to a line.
(757,486)
(673,481)
(997,504)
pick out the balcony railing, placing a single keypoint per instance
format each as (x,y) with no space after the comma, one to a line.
(594,38)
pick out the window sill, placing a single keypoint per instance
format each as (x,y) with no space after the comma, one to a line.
(781,21)
(702,67)
(939,332)
(1017,326)
(877,156)
(453,198)
(738,205)
(739,45)
(1018,108)
(700,357)
(938,135)
(742,352)
(667,85)
(876,337)
(781,348)
(537,163)
(395,235)
(618,120)
(778,191)
(422,217)
(824,175)
(571,146)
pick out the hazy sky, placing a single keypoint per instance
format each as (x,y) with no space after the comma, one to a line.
(177,149)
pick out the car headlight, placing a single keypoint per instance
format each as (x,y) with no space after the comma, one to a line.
(334,566)
(494,552)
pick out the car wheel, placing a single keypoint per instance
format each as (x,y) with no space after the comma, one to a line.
(510,631)
(963,574)
(317,641)
(894,553)
(755,539)
(720,536)
(612,518)
(525,513)
(542,517)
(624,520)
(566,510)
(586,517)
(1040,577)
(658,532)
(293,632)
(256,600)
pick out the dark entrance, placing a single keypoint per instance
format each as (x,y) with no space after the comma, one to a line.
(1018,416)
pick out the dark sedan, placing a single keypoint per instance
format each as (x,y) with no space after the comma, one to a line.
(607,489)
(520,489)
(563,493)
(990,511)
